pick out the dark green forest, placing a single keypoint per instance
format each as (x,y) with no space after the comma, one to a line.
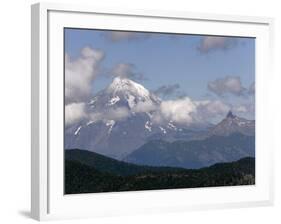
(88,172)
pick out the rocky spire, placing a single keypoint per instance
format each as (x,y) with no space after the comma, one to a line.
(230,114)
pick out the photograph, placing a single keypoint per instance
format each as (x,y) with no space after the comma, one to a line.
(155,111)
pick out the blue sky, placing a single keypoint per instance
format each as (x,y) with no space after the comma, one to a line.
(201,67)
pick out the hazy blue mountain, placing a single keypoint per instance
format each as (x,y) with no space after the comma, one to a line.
(195,153)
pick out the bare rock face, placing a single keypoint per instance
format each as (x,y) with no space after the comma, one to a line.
(234,124)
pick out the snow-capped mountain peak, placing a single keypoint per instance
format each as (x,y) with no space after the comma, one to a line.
(122,110)
(123,92)
(124,85)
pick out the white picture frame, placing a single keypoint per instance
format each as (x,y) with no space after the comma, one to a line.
(47,198)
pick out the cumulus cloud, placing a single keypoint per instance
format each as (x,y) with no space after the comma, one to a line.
(167,90)
(227,85)
(126,70)
(79,74)
(246,108)
(74,113)
(188,112)
(184,111)
(117,114)
(211,109)
(116,36)
(145,106)
(179,111)
(213,43)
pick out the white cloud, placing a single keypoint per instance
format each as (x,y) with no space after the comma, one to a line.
(188,112)
(74,113)
(179,111)
(116,36)
(126,70)
(142,107)
(211,43)
(207,109)
(227,85)
(183,111)
(245,109)
(79,74)
(116,114)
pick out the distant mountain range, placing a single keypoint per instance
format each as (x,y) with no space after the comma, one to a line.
(134,137)
(231,139)
(89,172)
(194,154)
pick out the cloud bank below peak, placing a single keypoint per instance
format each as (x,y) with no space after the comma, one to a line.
(185,111)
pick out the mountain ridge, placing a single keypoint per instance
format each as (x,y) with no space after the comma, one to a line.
(108,165)
(195,153)
(233,124)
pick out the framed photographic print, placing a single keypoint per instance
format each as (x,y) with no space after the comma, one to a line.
(142,111)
